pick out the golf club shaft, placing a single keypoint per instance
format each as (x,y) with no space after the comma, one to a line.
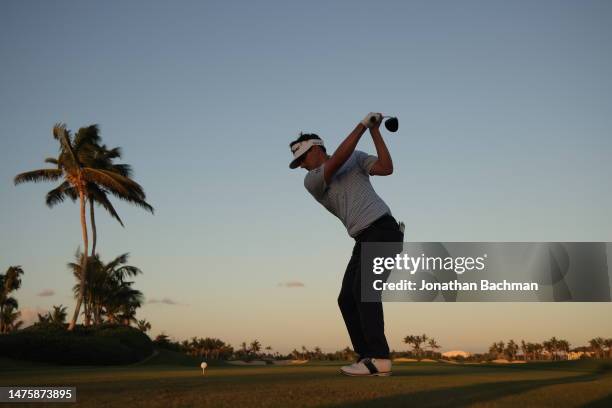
(382,117)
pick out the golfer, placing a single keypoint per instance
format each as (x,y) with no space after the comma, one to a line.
(341,183)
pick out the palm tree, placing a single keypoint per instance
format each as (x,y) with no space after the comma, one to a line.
(608,345)
(109,294)
(554,343)
(255,347)
(537,350)
(564,346)
(100,157)
(493,349)
(533,351)
(74,166)
(597,346)
(244,349)
(144,326)
(511,349)
(410,340)
(44,318)
(194,346)
(8,319)
(185,347)
(125,303)
(10,281)
(348,354)
(550,348)
(122,307)
(59,314)
(416,342)
(433,345)
(525,350)
(212,348)
(497,349)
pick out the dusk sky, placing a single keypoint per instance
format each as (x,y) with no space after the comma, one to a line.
(505,113)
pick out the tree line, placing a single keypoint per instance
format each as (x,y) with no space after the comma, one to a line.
(551,349)
(214,349)
(113,300)
(422,346)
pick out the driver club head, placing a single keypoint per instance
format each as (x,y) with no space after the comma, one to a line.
(392,124)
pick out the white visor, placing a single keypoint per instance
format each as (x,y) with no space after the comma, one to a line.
(301,148)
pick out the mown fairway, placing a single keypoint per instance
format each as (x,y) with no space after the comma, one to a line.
(161,382)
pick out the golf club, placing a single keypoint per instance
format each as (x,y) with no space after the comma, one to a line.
(392,124)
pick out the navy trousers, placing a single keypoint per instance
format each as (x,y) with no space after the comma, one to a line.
(364,320)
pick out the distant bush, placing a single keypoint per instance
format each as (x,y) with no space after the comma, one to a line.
(104,345)
(164,342)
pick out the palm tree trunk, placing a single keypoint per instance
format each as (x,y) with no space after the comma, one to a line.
(99,309)
(87,311)
(77,307)
(94,234)
(96,313)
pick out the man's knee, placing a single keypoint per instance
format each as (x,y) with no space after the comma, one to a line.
(345,300)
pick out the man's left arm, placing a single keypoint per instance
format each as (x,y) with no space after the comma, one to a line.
(384,165)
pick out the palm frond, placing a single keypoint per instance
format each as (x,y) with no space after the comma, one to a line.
(51,160)
(134,189)
(58,194)
(72,193)
(99,196)
(124,169)
(127,271)
(121,259)
(67,161)
(87,135)
(78,257)
(11,302)
(114,153)
(122,187)
(107,179)
(59,130)
(63,135)
(38,175)
(137,202)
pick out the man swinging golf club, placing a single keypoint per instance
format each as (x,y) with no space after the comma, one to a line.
(341,183)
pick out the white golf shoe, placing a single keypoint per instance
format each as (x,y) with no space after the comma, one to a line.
(368,367)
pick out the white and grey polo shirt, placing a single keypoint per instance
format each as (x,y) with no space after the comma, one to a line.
(349,195)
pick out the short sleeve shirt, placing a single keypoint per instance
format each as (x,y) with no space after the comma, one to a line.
(349,195)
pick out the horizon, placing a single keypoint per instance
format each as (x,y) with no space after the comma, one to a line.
(504,114)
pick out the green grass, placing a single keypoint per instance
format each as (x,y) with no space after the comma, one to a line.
(172,380)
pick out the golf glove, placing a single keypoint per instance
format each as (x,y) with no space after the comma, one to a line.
(371,119)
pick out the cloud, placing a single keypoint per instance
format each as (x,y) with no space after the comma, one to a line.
(291,284)
(46,293)
(30,315)
(164,301)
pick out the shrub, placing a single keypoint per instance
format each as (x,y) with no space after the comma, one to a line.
(104,345)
